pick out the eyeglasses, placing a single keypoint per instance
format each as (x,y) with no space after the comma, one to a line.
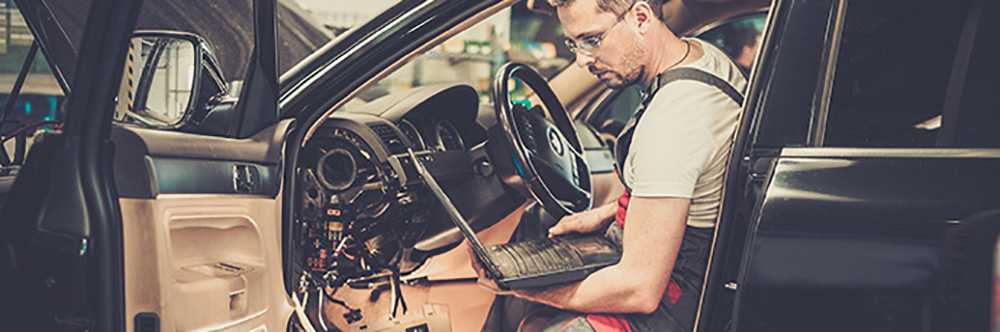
(590,44)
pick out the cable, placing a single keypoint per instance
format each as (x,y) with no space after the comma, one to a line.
(397,292)
(352,315)
(319,310)
(300,312)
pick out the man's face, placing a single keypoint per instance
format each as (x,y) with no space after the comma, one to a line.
(618,61)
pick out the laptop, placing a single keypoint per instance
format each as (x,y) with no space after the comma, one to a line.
(534,263)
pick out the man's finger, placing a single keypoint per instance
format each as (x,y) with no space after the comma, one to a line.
(563,228)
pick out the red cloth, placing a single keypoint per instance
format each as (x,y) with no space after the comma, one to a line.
(674,291)
(622,209)
(608,323)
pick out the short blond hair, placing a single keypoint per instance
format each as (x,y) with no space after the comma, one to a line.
(617,7)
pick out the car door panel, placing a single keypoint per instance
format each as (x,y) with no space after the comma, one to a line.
(160,162)
(857,234)
(202,251)
(204,262)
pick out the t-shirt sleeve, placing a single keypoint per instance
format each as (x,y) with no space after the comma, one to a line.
(673,142)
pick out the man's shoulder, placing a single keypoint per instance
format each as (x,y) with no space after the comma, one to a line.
(713,61)
(700,83)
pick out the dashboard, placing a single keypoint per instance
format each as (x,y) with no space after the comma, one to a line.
(362,209)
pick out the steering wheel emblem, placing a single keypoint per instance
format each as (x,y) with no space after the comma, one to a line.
(555,142)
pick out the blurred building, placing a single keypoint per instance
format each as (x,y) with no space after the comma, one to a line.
(339,15)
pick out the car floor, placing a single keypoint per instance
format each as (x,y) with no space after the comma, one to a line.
(467,303)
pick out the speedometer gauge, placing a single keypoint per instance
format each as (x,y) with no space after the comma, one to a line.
(447,136)
(412,134)
(342,161)
(337,169)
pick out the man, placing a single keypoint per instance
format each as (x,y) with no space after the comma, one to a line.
(672,162)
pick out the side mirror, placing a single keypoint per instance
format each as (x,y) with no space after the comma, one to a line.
(162,79)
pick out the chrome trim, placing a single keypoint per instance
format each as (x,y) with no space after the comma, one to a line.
(818,122)
(890,153)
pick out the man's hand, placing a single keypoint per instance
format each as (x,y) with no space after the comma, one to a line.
(589,221)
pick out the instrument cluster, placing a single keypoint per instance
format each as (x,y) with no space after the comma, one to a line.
(434,135)
(355,218)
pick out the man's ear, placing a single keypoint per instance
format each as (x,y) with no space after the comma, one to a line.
(643,15)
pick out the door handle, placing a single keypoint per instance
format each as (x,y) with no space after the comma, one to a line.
(245,178)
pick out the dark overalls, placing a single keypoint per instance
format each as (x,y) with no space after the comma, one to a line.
(680,301)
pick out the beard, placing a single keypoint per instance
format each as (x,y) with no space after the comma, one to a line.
(632,69)
(614,80)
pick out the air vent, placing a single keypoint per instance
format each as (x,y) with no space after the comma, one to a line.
(390,138)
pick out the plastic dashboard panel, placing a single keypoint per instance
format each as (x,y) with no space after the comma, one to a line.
(481,198)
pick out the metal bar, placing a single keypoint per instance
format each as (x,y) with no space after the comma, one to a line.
(19,83)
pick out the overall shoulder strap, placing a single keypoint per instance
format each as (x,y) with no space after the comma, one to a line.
(694,74)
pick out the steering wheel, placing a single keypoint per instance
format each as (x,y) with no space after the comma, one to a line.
(539,146)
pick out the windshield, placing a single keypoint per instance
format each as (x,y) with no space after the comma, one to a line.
(473,56)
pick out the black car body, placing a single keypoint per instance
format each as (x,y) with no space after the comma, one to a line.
(843,208)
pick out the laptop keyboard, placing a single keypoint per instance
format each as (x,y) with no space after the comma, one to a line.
(541,256)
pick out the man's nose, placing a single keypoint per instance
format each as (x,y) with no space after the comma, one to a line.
(583,59)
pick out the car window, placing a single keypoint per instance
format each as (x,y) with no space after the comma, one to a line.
(739,38)
(473,56)
(37,106)
(914,74)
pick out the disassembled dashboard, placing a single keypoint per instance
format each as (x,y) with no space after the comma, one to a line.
(361,206)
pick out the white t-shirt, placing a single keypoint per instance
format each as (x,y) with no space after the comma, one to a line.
(682,143)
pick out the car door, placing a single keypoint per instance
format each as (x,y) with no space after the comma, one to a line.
(190,222)
(62,266)
(201,216)
(868,156)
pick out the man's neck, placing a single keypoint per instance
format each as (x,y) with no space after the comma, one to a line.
(674,50)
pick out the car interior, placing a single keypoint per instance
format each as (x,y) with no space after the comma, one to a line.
(202,220)
(390,214)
